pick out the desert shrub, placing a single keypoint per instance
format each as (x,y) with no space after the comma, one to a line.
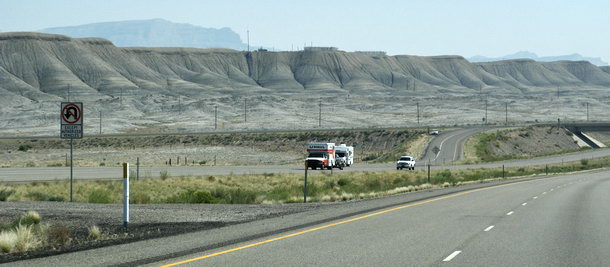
(140,198)
(29,218)
(192,196)
(99,196)
(59,235)
(24,148)
(203,162)
(234,196)
(343,181)
(280,193)
(102,164)
(584,162)
(55,165)
(30,164)
(5,193)
(94,232)
(163,175)
(26,238)
(7,241)
(372,183)
(40,196)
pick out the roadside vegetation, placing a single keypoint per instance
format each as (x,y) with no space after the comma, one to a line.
(520,143)
(277,188)
(28,232)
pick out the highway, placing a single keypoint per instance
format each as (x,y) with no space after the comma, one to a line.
(551,221)
(450,145)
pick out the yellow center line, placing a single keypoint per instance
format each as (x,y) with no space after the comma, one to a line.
(338,223)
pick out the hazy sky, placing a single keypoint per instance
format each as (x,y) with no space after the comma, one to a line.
(421,27)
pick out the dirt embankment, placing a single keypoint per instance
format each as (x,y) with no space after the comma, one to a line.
(519,143)
(206,149)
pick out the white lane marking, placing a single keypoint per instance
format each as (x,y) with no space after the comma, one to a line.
(488,228)
(440,148)
(524,204)
(552,189)
(544,192)
(450,257)
(508,214)
(535,197)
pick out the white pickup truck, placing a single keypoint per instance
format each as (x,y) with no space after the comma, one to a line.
(405,162)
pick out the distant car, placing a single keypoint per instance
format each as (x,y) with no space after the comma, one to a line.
(405,162)
(433,132)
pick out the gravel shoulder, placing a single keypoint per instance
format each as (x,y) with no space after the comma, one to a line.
(146,221)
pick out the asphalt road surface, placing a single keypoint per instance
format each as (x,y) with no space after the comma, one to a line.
(552,221)
(448,146)
(12,175)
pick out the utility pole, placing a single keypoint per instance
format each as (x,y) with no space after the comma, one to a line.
(245,110)
(320,115)
(121,97)
(486,111)
(417,113)
(68,93)
(506,113)
(100,122)
(216,117)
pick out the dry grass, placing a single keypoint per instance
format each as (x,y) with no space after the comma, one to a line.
(282,188)
(94,232)
(8,239)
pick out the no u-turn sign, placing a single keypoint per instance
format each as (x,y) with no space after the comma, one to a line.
(71,122)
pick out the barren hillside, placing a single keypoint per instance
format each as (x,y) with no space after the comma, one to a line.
(175,88)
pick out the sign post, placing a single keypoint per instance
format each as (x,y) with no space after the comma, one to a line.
(305,184)
(71,126)
(125,194)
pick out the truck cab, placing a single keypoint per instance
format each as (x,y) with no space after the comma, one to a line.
(320,155)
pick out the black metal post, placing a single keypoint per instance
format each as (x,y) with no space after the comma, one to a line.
(138,169)
(71,170)
(428,172)
(305,185)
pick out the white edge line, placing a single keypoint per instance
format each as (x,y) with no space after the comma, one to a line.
(450,257)
(524,204)
(488,228)
(535,197)
(511,212)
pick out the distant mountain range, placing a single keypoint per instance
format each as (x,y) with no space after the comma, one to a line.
(526,54)
(155,33)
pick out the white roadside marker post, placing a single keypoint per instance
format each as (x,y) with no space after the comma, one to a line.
(125,194)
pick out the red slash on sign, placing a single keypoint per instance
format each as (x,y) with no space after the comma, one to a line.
(71,114)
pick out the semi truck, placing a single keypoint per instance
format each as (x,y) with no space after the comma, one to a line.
(328,156)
